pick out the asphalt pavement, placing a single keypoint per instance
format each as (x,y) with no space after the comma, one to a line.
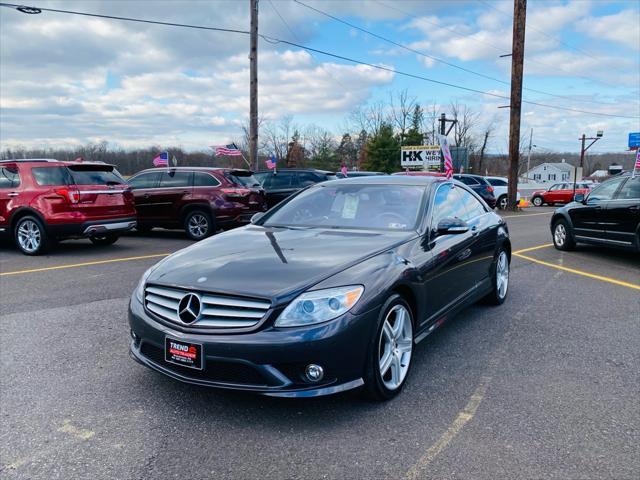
(544,386)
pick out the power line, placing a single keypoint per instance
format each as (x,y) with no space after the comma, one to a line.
(315,50)
(426,55)
(559,40)
(500,49)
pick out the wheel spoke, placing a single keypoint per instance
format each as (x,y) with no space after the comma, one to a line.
(385,361)
(405,346)
(398,326)
(387,331)
(396,370)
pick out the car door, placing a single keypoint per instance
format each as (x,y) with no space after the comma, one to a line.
(10,191)
(587,218)
(552,195)
(621,216)
(174,191)
(142,186)
(564,193)
(484,246)
(279,186)
(447,279)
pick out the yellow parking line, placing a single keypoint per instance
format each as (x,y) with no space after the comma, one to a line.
(527,215)
(580,272)
(84,264)
(531,249)
(464,417)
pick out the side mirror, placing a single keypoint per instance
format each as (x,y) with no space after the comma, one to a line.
(256,217)
(452,226)
(579,197)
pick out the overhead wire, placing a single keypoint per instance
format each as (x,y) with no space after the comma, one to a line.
(321,52)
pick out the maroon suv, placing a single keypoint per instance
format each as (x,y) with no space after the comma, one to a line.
(198,199)
(42,201)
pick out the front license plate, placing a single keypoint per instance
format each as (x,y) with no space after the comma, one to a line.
(183,353)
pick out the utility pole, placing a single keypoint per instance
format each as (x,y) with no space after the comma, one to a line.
(529,154)
(253,86)
(583,150)
(517,60)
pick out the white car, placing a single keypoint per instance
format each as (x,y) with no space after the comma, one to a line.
(500,186)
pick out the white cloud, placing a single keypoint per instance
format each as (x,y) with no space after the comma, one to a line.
(622,28)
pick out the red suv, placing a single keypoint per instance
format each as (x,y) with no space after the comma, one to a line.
(198,199)
(42,201)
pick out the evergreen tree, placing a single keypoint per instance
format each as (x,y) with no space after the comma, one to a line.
(347,152)
(414,134)
(383,151)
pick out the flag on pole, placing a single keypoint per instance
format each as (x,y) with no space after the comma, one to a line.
(161,160)
(230,150)
(344,170)
(636,166)
(448,161)
(272,162)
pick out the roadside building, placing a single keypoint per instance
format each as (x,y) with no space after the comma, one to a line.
(550,172)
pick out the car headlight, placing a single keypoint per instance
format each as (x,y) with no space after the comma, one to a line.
(319,306)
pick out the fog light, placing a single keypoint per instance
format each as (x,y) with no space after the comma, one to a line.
(133,335)
(314,372)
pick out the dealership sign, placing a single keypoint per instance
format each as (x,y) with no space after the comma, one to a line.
(634,140)
(420,156)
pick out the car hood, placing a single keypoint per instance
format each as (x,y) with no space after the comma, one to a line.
(271,262)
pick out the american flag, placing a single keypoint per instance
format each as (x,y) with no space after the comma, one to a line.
(636,166)
(344,170)
(230,150)
(161,160)
(448,161)
(272,162)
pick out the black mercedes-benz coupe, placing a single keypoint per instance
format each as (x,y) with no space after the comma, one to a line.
(328,291)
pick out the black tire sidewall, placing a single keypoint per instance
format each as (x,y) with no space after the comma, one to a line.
(493,298)
(374,386)
(569,242)
(209,218)
(536,199)
(44,237)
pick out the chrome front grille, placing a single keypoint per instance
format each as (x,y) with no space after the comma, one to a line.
(216,311)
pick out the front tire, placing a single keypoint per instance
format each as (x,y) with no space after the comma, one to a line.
(198,224)
(390,353)
(537,201)
(500,279)
(31,237)
(562,236)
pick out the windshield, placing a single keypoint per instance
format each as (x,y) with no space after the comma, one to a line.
(387,207)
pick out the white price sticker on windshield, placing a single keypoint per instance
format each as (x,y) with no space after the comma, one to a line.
(350,207)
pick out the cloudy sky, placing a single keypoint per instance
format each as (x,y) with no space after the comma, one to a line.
(67,80)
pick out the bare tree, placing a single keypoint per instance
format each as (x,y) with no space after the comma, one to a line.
(276,137)
(486,135)
(369,117)
(466,122)
(402,108)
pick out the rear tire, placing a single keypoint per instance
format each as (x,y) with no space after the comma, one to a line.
(563,236)
(104,240)
(30,236)
(537,201)
(390,352)
(502,202)
(198,224)
(500,280)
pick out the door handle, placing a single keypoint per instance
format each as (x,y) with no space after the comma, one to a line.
(13,194)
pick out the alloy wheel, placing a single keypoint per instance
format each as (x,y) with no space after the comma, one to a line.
(560,235)
(198,225)
(395,347)
(29,236)
(502,275)
(502,204)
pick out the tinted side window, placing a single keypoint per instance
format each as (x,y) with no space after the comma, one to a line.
(95,177)
(631,189)
(263,178)
(282,180)
(605,191)
(173,178)
(447,204)
(9,177)
(473,208)
(145,180)
(201,179)
(51,175)
(468,180)
(496,182)
(307,178)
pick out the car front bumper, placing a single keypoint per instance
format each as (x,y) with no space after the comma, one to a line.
(269,361)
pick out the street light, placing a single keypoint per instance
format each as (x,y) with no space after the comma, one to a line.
(583,149)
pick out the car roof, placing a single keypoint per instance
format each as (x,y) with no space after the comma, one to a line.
(387,180)
(296,170)
(202,169)
(56,163)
